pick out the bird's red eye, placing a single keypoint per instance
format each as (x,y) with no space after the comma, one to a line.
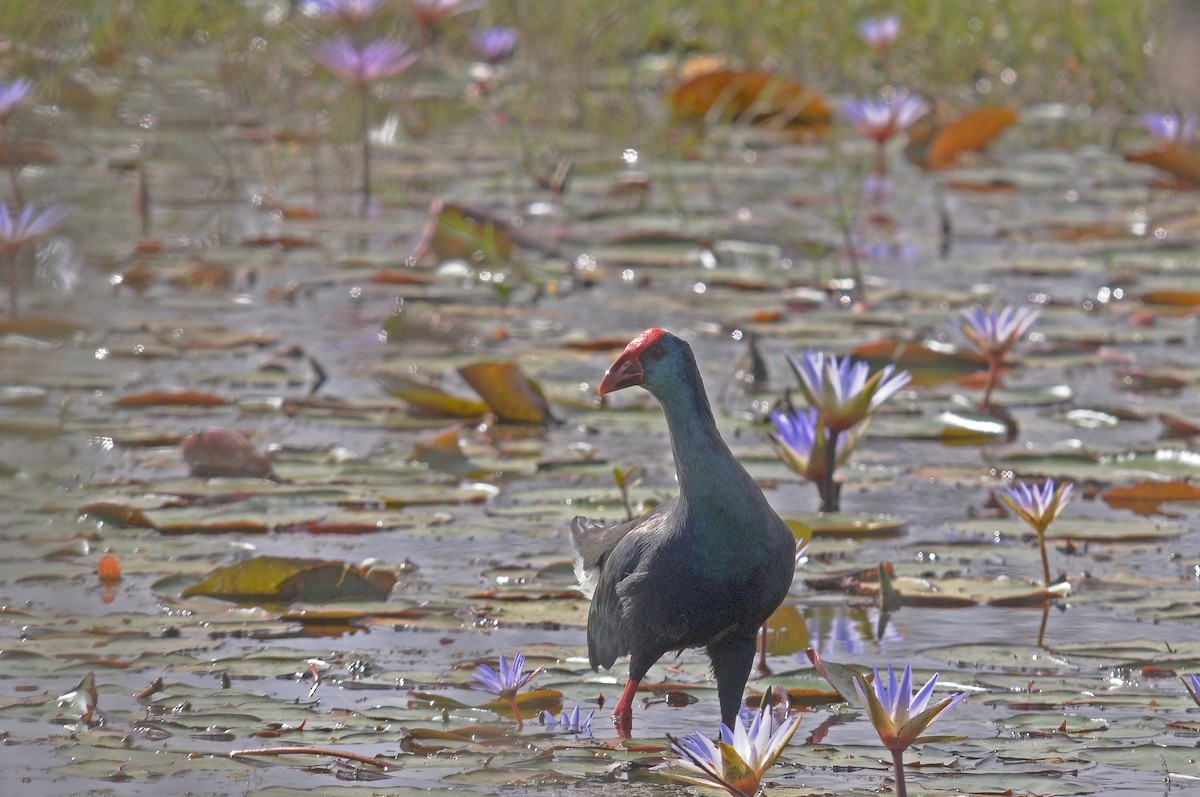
(655,352)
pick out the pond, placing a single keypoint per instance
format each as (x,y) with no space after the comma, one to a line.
(217,271)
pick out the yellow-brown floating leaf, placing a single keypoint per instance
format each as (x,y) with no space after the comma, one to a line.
(1145,498)
(970,429)
(530,703)
(1178,427)
(171,398)
(273,578)
(284,242)
(1181,162)
(1171,298)
(396,276)
(39,327)
(750,95)
(938,146)
(1031,599)
(224,452)
(508,391)
(116,513)
(26,151)
(786,630)
(597,344)
(426,399)
(336,615)
(462,234)
(925,364)
(838,524)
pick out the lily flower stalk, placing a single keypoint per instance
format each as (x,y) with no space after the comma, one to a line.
(993,333)
(740,758)
(881,120)
(843,393)
(899,716)
(506,681)
(1191,683)
(1039,506)
(19,229)
(362,68)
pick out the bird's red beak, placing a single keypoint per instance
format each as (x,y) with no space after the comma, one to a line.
(625,372)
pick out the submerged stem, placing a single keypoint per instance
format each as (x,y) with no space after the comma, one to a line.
(898,766)
(365,124)
(992,377)
(10,263)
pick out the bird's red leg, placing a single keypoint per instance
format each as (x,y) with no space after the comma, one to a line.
(764,671)
(623,713)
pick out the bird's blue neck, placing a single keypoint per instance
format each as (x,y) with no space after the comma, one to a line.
(706,468)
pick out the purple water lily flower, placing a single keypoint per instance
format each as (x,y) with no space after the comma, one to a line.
(880,34)
(29,225)
(506,681)
(1039,506)
(1169,129)
(13,94)
(738,762)
(352,12)
(899,716)
(995,332)
(800,439)
(569,722)
(494,45)
(382,58)
(509,679)
(844,391)
(880,119)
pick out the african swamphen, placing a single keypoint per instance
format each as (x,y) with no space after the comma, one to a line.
(704,569)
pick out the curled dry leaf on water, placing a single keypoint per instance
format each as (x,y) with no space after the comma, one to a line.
(750,95)
(289,580)
(218,452)
(1147,497)
(936,144)
(81,702)
(1178,161)
(509,393)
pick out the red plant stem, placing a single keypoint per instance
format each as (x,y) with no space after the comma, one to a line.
(512,701)
(992,377)
(299,749)
(828,488)
(365,123)
(898,766)
(880,167)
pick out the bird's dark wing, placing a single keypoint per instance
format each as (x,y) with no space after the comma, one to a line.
(607,556)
